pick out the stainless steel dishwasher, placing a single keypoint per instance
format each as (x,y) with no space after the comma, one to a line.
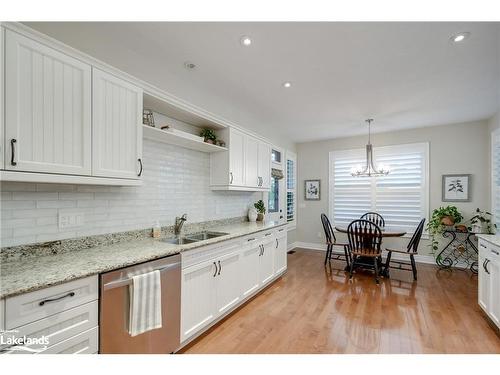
(114,309)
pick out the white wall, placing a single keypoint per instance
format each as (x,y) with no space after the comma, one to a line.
(176,181)
(457,148)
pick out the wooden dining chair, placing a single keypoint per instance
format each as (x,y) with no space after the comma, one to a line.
(331,241)
(365,240)
(411,250)
(374,218)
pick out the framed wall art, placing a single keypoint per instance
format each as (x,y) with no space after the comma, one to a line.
(312,190)
(456,188)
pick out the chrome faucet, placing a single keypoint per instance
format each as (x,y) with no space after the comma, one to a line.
(179,222)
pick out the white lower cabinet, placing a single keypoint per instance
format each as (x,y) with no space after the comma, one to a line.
(250,261)
(58,319)
(227,286)
(218,283)
(489,280)
(197,297)
(266,266)
(280,252)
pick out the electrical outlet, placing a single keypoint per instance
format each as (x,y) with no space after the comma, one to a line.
(71,219)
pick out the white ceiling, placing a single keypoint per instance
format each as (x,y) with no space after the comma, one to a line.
(405,75)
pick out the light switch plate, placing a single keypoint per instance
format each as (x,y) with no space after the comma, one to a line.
(71,219)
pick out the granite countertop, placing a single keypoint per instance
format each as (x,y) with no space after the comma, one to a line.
(492,238)
(26,274)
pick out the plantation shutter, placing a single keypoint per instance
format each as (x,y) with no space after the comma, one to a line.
(400,197)
(495,176)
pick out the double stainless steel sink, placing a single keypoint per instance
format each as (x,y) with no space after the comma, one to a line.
(194,237)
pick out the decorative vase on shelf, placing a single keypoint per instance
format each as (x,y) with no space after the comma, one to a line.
(260,217)
(252,215)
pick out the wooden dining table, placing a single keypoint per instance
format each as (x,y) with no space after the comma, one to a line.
(387,232)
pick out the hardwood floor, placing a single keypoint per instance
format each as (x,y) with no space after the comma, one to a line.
(315,309)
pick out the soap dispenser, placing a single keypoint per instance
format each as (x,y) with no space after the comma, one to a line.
(156,230)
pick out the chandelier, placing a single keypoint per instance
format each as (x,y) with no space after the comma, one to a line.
(369,169)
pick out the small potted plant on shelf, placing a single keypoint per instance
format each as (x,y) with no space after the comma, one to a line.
(208,135)
(481,223)
(261,209)
(441,218)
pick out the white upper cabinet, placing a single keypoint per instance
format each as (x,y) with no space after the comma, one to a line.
(246,166)
(117,127)
(47,109)
(264,161)
(252,178)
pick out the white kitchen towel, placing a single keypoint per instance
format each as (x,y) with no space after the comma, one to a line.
(145,303)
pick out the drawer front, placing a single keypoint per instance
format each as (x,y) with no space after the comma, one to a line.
(85,343)
(202,254)
(60,327)
(483,247)
(29,307)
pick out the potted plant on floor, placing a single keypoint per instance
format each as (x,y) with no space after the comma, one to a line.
(208,135)
(441,218)
(261,209)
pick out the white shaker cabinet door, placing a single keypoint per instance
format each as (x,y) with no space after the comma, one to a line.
(264,165)
(251,162)
(483,280)
(228,281)
(117,127)
(249,277)
(198,297)
(236,158)
(266,268)
(47,109)
(494,269)
(280,252)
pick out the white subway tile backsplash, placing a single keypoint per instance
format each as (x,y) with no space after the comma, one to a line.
(176,181)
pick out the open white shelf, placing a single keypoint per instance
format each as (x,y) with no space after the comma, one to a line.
(179,139)
(188,116)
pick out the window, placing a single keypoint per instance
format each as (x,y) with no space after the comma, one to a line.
(401,197)
(291,186)
(274,195)
(276,156)
(495,177)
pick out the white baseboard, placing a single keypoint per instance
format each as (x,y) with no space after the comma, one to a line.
(427,259)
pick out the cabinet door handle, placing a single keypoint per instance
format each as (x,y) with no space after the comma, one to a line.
(277,243)
(268,234)
(13,151)
(260,252)
(215,273)
(220,268)
(140,163)
(263,249)
(483,246)
(70,294)
(494,252)
(231,176)
(485,264)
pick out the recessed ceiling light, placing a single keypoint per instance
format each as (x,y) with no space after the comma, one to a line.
(245,41)
(457,38)
(287,84)
(189,65)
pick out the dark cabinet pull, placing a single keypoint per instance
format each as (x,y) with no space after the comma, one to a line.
(70,294)
(13,151)
(251,239)
(231,175)
(485,264)
(215,273)
(268,234)
(220,267)
(140,163)
(495,252)
(277,243)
